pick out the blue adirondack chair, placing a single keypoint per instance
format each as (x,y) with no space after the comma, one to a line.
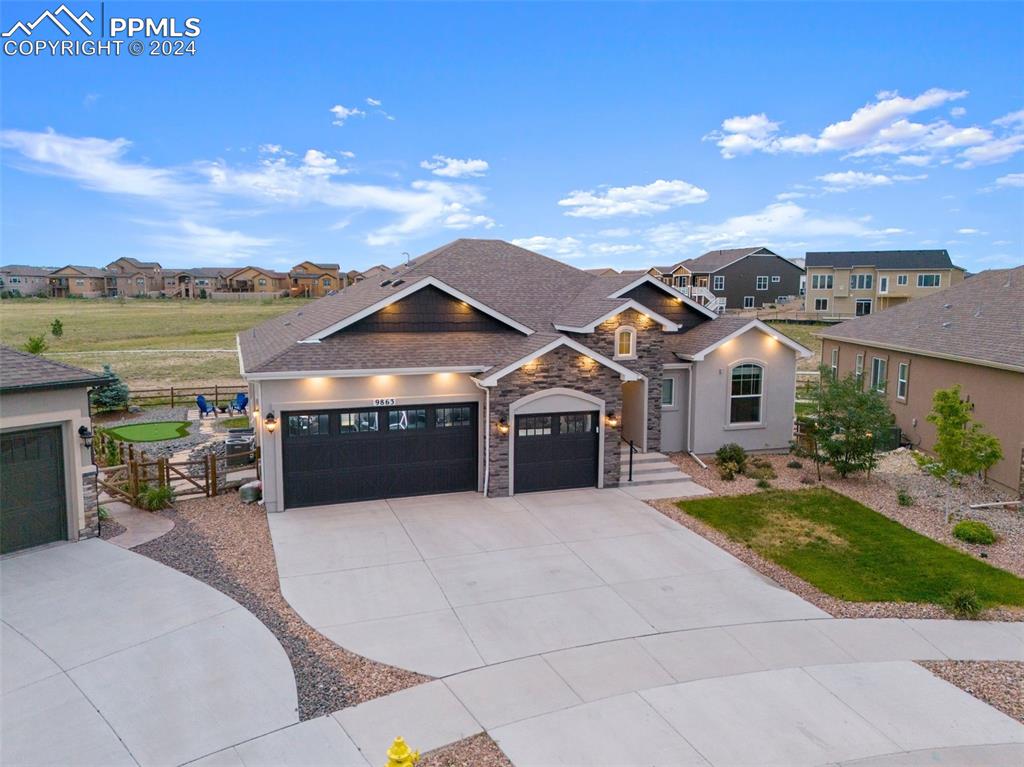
(239,404)
(205,407)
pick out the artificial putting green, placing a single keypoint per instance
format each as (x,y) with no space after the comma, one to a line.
(150,432)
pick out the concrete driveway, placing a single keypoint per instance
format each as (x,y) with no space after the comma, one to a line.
(109,658)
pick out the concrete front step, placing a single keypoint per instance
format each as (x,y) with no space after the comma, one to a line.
(682,489)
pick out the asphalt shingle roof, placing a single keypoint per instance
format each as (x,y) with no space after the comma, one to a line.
(714,260)
(27,271)
(979,320)
(679,346)
(21,370)
(881,259)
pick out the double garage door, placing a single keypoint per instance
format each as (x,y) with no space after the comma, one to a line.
(333,456)
(33,507)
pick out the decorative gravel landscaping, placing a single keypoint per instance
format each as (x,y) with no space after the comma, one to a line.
(226,544)
(110,528)
(159,431)
(477,751)
(998,683)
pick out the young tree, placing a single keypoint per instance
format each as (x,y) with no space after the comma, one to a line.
(961,442)
(113,395)
(57,328)
(35,344)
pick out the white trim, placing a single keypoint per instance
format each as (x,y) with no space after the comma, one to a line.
(670,289)
(715,279)
(782,338)
(677,366)
(757,282)
(674,404)
(903,377)
(359,373)
(763,421)
(624,372)
(923,353)
(753,302)
(666,324)
(631,332)
(238,350)
(425,282)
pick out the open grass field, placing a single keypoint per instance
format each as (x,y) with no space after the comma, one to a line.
(804,334)
(851,552)
(98,331)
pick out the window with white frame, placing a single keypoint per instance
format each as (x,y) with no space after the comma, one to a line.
(625,342)
(861,281)
(776,278)
(821,304)
(261,281)
(858,370)
(821,282)
(682,280)
(762,282)
(719,282)
(902,380)
(901,279)
(668,392)
(834,366)
(879,373)
(929,280)
(748,302)
(746,385)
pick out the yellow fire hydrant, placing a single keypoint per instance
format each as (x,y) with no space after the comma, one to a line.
(399,755)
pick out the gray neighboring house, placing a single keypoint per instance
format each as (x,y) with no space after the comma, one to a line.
(743,278)
(484,366)
(47,478)
(27,280)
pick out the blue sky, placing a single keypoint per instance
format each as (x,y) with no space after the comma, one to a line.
(607,135)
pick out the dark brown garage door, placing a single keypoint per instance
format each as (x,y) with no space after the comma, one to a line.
(331,456)
(33,509)
(555,451)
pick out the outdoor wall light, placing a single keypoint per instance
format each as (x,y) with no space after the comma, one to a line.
(85,435)
(503,426)
(270,422)
(611,419)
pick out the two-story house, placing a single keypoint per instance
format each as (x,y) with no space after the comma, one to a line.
(130,277)
(856,283)
(26,280)
(195,283)
(78,281)
(255,279)
(313,280)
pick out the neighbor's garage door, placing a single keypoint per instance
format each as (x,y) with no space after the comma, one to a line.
(556,451)
(33,509)
(331,456)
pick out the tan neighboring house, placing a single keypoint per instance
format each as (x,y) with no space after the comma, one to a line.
(254,279)
(313,280)
(378,272)
(79,281)
(194,283)
(47,477)
(27,280)
(678,276)
(859,282)
(971,334)
(131,277)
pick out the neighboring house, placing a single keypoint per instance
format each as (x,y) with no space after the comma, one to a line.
(742,278)
(253,279)
(855,283)
(971,334)
(314,280)
(47,479)
(678,276)
(194,283)
(27,280)
(80,281)
(130,277)
(444,378)
(378,272)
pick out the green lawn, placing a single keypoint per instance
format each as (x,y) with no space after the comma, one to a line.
(804,334)
(150,432)
(851,552)
(241,422)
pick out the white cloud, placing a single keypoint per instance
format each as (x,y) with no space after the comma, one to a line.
(270,148)
(783,196)
(618,231)
(969,230)
(1011,179)
(992,152)
(373,102)
(957,112)
(917,160)
(461,217)
(1013,118)
(197,242)
(852,179)
(451,167)
(613,249)
(342,113)
(555,247)
(317,163)
(655,197)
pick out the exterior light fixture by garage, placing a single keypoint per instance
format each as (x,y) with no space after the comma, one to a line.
(270,422)
(85,435)
(503,426)
(611,419)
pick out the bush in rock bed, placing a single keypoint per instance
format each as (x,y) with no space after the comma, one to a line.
(973,531)
(112,395)
(732,453)
(903,498)
(964,603)
(728,470)
(761,471)
(155,498)
(794,465)
(763,484)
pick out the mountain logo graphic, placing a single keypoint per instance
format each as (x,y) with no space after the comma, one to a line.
(55,17)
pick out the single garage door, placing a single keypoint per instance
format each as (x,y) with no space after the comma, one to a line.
(332,456)
(555,451)
(33,509)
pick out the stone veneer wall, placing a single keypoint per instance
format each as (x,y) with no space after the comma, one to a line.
(90,506)
(562,367)
(650,345)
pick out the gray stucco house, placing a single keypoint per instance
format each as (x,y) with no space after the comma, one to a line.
(47,478)
(484,366)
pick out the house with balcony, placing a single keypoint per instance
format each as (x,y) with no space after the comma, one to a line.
(255,279)
(856,283)
(195,283)
(312,280)
(26,280)
(130,277)
(78,281)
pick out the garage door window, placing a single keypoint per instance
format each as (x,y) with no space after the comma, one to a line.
(360,421)
(534,425)
(453,417)
(407,420)
(308,425)
(576,423)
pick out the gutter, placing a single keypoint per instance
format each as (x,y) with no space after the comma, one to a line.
(487,431)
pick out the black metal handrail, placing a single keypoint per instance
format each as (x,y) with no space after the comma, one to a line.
(632,449)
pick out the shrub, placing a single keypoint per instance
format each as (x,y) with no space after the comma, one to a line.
(56,328)
(764,484)
(806,480)
(973,531)
(728,470)
(761,472)
(35,344)
(903,498)
(113,395)
(103,514)
(961,443)
(155,498)
(964,603)
(732,453)
(112,454)
(794,465)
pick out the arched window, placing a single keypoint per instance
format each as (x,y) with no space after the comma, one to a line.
(746,394)
(625,342)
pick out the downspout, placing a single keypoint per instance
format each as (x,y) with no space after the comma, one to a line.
(487,431)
